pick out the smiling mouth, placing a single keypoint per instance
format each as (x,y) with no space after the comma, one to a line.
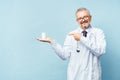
(82,22)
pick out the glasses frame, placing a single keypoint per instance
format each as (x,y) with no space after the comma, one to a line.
(84,17)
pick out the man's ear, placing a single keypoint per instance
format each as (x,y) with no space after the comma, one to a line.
(90,17)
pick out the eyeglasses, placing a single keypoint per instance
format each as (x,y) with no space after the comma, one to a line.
(81,18)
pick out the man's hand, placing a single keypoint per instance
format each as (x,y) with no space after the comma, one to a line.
(48,40)
(76,36)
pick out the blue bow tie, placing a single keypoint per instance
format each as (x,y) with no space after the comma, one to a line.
(84,33)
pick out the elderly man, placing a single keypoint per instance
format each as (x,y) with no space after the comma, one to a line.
(84,47)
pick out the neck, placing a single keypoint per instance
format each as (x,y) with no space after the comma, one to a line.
(85,27)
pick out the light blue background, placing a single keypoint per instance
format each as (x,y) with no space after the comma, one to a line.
(21,21)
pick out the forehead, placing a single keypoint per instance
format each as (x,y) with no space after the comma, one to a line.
(82,13)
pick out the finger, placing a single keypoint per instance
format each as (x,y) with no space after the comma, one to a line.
(40,39)
(71,34)
(37,39)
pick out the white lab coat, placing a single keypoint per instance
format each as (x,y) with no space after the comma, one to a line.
(84,65)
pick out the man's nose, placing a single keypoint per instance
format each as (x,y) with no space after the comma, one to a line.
(83,20)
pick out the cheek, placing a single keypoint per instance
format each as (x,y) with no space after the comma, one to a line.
(89,22)
(78,22)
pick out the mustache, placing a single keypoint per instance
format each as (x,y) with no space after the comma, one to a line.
(85,21)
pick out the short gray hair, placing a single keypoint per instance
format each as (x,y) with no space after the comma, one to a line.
(83,9)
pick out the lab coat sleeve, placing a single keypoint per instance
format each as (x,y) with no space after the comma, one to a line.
(62,51)
(96,44)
